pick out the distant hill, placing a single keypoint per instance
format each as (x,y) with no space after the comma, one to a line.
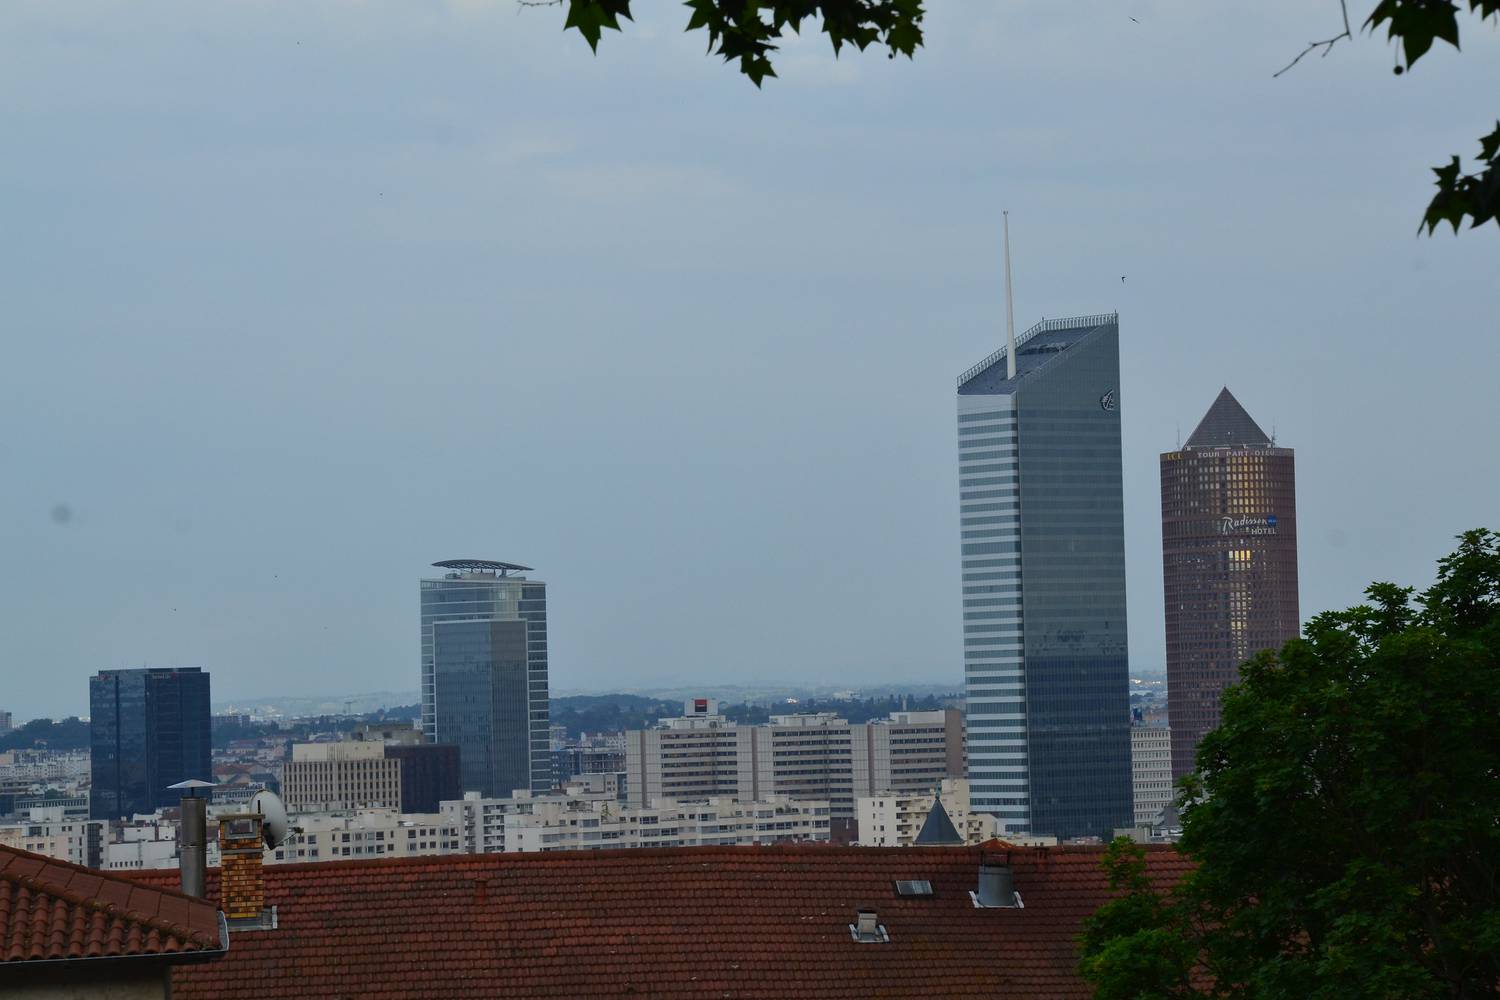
(71,733)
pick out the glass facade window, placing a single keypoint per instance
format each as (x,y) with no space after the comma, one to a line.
(1051,628)
(149,728)
(484,678)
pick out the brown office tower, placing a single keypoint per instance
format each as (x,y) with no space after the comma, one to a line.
(1229,563)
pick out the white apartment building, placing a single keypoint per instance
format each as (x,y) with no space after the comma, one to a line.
(481,821)
(703,755)
(333,777)
(893,819)
(48,830)
(1151,772)
(580,825)
(368,833)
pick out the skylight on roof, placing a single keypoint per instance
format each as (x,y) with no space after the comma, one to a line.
(914,887)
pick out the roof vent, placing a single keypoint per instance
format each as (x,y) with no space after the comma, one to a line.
(866,929)
(996,887)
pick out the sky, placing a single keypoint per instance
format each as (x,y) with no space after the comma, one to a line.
(299,298)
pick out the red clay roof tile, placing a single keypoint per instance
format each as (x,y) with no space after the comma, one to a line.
(752,923)
(52,909)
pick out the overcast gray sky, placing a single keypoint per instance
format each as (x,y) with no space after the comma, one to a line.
(298,298)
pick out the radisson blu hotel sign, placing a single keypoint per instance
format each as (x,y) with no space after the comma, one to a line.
(1248,525)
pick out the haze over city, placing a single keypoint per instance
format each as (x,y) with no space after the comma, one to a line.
(302,299)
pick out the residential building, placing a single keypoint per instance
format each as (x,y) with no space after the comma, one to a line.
(71,931)
(587,815)
(702,755)
(349,774)
(758,923)
(50,831)
(484,673)
(1229,563)
(571,760)
(390,769)
(551,825)
(5,722)
(1151,772)
(481,821)
(893,819)
(1043,554)
(368,833)
(147,842)
(149,730)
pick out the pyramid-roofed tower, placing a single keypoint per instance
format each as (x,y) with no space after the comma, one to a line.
(1228,425)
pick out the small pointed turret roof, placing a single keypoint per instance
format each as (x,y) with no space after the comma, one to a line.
(938,829)
(1227,425)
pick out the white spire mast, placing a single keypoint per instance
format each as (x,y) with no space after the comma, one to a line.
(1010,309)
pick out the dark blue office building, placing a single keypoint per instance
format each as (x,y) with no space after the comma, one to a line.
(150,729)
(1043,551)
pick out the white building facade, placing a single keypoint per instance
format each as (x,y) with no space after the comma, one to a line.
(1151,772)
(894,819)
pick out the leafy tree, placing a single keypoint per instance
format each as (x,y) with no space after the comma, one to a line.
(1345,816)
(747,30)
(1132,945)
(1414,25)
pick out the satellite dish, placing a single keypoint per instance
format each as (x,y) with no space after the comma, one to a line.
(274,824)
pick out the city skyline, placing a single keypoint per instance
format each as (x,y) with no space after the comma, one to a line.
(725,351)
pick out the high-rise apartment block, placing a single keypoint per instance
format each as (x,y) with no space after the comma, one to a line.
(1043,548)
(1229,563)
(484,673)
(149,729)
(702,755)
(5,723)
(361,774)
(1151,770)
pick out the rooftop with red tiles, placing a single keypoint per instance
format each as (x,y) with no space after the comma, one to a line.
(726,922)
(51,910)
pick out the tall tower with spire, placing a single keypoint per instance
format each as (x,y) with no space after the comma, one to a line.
(1041,516)
(1229,563)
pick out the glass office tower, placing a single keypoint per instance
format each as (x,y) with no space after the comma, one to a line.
(484,674)
(149,728)
(1043,543)
(1229,563)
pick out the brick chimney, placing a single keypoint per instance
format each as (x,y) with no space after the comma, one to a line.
(242,883)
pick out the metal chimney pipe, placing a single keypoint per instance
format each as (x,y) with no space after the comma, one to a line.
(194,834)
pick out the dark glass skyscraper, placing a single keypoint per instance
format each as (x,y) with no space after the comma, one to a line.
(484,674)
(1229,563)
(149,728)
(1043,540)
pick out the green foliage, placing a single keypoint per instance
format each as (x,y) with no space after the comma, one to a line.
(1414,25)
(609,713)
(747,30)
(1343,815)
(71,733)
(1132,946)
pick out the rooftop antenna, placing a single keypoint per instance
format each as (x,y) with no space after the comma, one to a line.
(1010,309)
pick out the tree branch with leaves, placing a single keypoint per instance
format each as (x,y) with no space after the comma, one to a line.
(747,30)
